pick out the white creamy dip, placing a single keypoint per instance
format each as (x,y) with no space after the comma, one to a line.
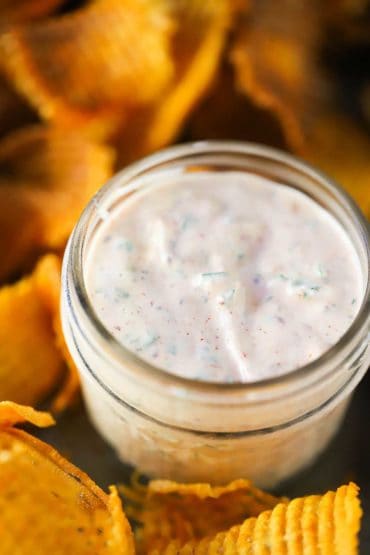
(224,277)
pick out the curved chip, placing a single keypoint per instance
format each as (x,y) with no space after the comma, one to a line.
(12,413)
(316,524)
(46,178)
(275,61)
(197,47)
(340,148)
(47,505)
(100,61)
(193,511)
(30,363)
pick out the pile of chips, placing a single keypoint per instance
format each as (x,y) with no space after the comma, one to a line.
(47,506)
(85,88)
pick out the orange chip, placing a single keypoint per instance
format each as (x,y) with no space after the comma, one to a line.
(30,363)
(315,524)
(47,276)
(197,48)
(46,178)
(340,148)
(192,511)
(100,61)
(12,413)
(25,10)
(274,56)
(47,505)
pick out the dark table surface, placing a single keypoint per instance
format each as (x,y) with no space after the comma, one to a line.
(347,458)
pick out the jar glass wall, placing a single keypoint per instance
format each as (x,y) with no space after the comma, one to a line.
(176,428)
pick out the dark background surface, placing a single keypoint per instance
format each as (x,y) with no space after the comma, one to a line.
(347,458)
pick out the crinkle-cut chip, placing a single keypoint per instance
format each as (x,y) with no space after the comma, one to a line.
(12,413)
(100,61)
(193,511)
(226,113)
(202,29)
(30,362)
(48,506)
(275,59)
(340,148)
(26,10)
(48,281)
(46,178)
(317,524)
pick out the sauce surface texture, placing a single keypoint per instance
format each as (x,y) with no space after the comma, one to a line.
(224,277)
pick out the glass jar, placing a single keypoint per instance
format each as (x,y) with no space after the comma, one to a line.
(177,428)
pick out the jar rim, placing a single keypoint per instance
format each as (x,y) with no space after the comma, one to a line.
(74,262)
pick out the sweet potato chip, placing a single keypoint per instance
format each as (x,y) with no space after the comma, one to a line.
(100,61)
(25,10)
(46,178)
(197,47)
(30,363)
(12,413)
(318,524)
(341,149)
(48,281)
(47,505)
(193,511)
(275,60)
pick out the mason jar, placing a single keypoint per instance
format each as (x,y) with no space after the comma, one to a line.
(171,427)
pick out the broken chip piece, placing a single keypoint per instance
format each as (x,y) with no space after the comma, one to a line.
(12,413)
(315,524)
(124,43)
(47,505)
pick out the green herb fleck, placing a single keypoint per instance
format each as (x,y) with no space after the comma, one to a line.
(121,293)
(172,349)
(214,274)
